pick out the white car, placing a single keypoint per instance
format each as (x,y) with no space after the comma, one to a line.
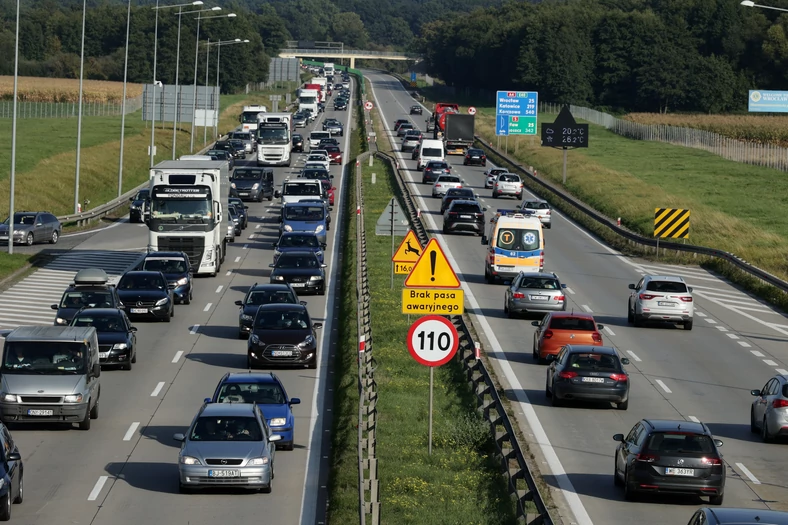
(314,158)
(314,166)
(319,152)
(444,183)
(491,174)
(541,209)
(662,298)
(508,184)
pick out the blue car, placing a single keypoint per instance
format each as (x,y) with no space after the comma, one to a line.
(305,217)
(297,241)
(267,391)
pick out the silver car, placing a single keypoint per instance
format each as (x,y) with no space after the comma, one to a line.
(507,185)
(31,227)
(227,444)
(539,208)
(769,412)
(444,183)
(299,120)
(246,137)
(491,175)
(536,292)
(663,298)
(411,140)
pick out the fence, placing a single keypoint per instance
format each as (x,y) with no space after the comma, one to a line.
(30,110)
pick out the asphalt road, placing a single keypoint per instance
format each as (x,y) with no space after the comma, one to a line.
(124,470)
(706,374)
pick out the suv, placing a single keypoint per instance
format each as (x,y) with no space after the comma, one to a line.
(90,289)
(507,184)
(538,208)
(475,156)
(491,175)
(677,457)
(661,298)
(734,516)
(444,183)
(305,217)
(139,206)
(253,184)
(176,268)
(31,227)
(769,412)
(258,295)
(463,214)
(534,292)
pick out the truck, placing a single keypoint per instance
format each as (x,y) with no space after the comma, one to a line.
(323,83)
(308,99)
(249,116)
(328,68)
(433,123)
(457,133)
(321,93)
(274,133)
(187,214)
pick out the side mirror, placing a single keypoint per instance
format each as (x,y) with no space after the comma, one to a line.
(484,210)
(755,393)
(534,323)
(295,401)
(689,288)
(563,286)
(13,456)
(624,361)
(631,286)
(323,245)
(618,437)
(317,326)
(274,437)
(600,327)
(302,303)
(179,437)
(206,400)
(485,240)
(132,329)
(239,303)
(96,370)
(277,194)
(53,306)
(550,358)
(717,442)
(131,199)
(271,265)
(324,266)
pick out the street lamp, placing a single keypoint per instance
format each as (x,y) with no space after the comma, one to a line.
(750,3)
(79,116)
(123,103)
(13,138)
(218,58)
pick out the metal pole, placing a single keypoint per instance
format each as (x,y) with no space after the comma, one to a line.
(79,116)
(177,89)
(205,120)
(392,241)
(564,169)
(432,374)
(13,138)
(153,100)
(123,104)
(216,95)
(194,102)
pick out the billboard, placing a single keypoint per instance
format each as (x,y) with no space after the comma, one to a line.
(768,101)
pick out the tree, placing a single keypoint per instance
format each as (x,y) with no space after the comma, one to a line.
(349,29)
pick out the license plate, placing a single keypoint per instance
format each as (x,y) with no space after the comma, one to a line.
(224,473)
(475,157)
(243,193)
(103,355)
(670,471)
(665,303)
(139,310)
(39,412)
(593,380)
(539,298)
(282,353)
(465,217)
(298,285)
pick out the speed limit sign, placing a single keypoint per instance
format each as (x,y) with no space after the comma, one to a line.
(433,340)
(471,110)
(368,105)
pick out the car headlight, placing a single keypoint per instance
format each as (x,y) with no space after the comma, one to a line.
(319,229)
(258,461)
(120,346)
(319,253)
(188,460)
(245,317)
(73,398)
(255,186)
(277,278)
(278,422)
(9,398)
(2,483)
(316,278)
(287,228)
(256,340)
(182,281)
(309,341)
(60,320)
(162,301)
(18,232)
(232,185)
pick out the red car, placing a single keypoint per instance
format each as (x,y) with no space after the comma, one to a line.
(329,190)
(334,154)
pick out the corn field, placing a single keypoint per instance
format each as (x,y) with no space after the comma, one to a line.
(761,129)
(66,90)
(28,110)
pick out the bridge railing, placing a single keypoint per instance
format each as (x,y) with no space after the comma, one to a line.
(345,52)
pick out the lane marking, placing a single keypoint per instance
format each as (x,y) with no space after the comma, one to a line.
(207,307)
(770,362)
(220,288)
(710,321)
(569,290)
(609,331)
(634,356)
(238,259)
(700,314)
(782,371)
(178,355)
(157,390)
(246,246)
(130,432)
(745,345)
(756,353)
(256,227)
(586,308)
(664,386)
(229,272)
(747,473)
(721,328)
(194,329)
(732,336)
(94,494)
(693,419)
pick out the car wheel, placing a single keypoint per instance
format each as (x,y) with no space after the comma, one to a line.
(5,507)
(313,364)
(555,401)
(547,392)
(629,494)
(765,431)
(716,500)
(242,335)
(94,412)
(188,298)
(494,196)
(630,315)
(270,198)
(322,290)
(134,357)
(623,405)
(85,423)
(20,494)
(505,305)
(269,488)
(29,239)
(167,318)
(753,427)
(127,366)
(520,197)
(535,353)
(688,325)
(55,237)
(616,480)
(249,363)
(183,489)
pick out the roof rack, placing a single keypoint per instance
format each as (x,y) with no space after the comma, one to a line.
(91,277)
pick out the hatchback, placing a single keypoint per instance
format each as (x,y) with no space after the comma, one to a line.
(258,295)
(540,209)
(534,292)
(404,128)
(475,156)
(587,373)
(444,183)
(282,334)
(562,328)
(433,170)
(662,298)
(672,457)
(411,140)
(769,412)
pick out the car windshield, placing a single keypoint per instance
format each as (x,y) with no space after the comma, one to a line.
(332,149)
(518,239)
(572,323)
(535,205)
(164,265)
(281,320)
(298,241)
(247,174)
(496,171)
(666,287)
(315,174)
(539,283)
(102,323)
(212,428)
(475,152)
(297,261)
(242,136)
(142,195)
(448,178)
(672,443)
(459,192)
(604,362)
(217,153)
(87,299)
(317,135)
(141,282)
(261,297)
(51,357)
(259,393)
(437,166)
(301,189)
(509,178)
(304,213)
(465,208)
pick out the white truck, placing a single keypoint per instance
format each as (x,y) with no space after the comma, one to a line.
(322,82)
(274,135)
(328,68)
(249,117)
(308,99)
(187,214)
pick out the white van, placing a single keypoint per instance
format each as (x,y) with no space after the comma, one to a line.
(430,150)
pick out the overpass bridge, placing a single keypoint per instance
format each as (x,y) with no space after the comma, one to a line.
(351,54)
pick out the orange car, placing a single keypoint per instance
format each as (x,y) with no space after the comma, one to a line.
(558,329)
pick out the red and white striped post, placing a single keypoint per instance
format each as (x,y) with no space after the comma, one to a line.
(478,350)
(358,210)
(362,344)
(418,214)
(618,222)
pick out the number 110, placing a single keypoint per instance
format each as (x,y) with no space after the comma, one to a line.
(444,341)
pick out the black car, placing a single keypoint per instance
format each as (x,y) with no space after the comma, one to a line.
(588,373)
(340,104)
(90,289)
(416,110)
(465,194)
(176,268)
(241,209)
(258,295)
(475,156)
(11,471)
(224,155)
(299,241)
(253,184)
(302,269)
(146,294)
(433,170)
(116,337)
(464,215)
(232,213)
(738,516)
(282,334)
(670,457)
(334,127)
(238,148)
(225,145)
(139,206)
(298,143)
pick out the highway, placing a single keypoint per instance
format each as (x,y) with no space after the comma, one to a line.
(706,374)
(124,470)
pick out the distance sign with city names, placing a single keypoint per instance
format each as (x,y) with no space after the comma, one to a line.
(516,112)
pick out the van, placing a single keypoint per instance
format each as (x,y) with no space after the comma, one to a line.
(516,244)
(430,149)
(316,136)
(299,189)
(50,374)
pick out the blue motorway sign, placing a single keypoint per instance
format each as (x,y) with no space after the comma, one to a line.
(768,101)
(516,112)
(413,76)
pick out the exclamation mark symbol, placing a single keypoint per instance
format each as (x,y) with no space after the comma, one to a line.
(433,260)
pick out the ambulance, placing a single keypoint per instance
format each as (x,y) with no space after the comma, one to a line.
(515,244)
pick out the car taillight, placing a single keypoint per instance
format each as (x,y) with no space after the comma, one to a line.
(596,337)
(518,295)
(686,299)
(467,156)
(619,377)
(547,212)
(779,403)
(647,458)
(711,461)
(567,375)
(559,297)
(459,187)
(548,334)
(541,260)
(647,296)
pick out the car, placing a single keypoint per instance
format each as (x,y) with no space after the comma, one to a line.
(176,268)
(309,166)
(334,154)
(315,173)
(416,109)
(229,235)
(299,120)
(146,294)
(475,156)
(455,194)
(334,127)
(317,158)
(340,104)
(411,140)
(298,241)
(282,334)
(540,209)
(305,217)
(31,227)
(399,122)
(12,473)
(235,220)
(253,184)
(319,150)
(491,175)
(241,209)
(231,148)
(321,107)
(330,192)
(464,215)
(302,269)
(222,155)
(91,289)
(534,292)
(769,411)
(117,339)
(404,128)
(445,182)
(557,329)
(267,391)
(227,445)
(664,298)
(258,295)
(672,457)
(247,138)
(587,373)
(139,206)
(327,142)
(415,153)
(433,170)
(298,143)
(738,516)
(508,185)
(239,148)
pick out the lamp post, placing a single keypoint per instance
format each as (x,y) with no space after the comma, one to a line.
(79,116)
(750,3)
(123,103)
(207,57)
(13,138)
(218,58)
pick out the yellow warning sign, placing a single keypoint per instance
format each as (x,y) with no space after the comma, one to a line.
(409,250)
(433,302)
(432,270)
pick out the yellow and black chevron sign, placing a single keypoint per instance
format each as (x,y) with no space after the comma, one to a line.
(671,223)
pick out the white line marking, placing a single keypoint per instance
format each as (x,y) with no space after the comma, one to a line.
(693,419)
(609,331)
(756,353)
(220,288)
(782,371)
(770,362)
(732,336)
(238,259)
(157,390)
(586,308)
(664,386)
(747,473)
(710,321)
(246,246)
(635,357)
(700,314)
(570,290)
(257,227)
(194,329)
(721,328)
(207,307)
(745,345)
(130,432)
(229,272)
(94,494)
(177,357)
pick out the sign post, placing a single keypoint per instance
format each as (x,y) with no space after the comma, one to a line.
(432,341)
(516,113)
(565,133)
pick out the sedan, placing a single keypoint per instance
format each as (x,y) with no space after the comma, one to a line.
(464,215)
(282,334)
(299,241)
(31,227)
(769,411)
(222,155)
(340,104)
(298,143)
(334,127)
(491,175)
(302,269)
(588,373)
(176,268)
(299,120)
(227,445)
(404,128)
(456,194)
(242,210)
(334,154)
(433,170)
(117,339)
(475,156)
(146,294)
(258,295)
(444,183)
(534,292)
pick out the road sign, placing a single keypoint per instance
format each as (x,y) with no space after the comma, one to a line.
(565,132)
(413,76)
(392,221)
(368,105)
(516,112)
(440,301)
(432,269)
(433,340)
(407,254)
(471,110)
(671,223)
